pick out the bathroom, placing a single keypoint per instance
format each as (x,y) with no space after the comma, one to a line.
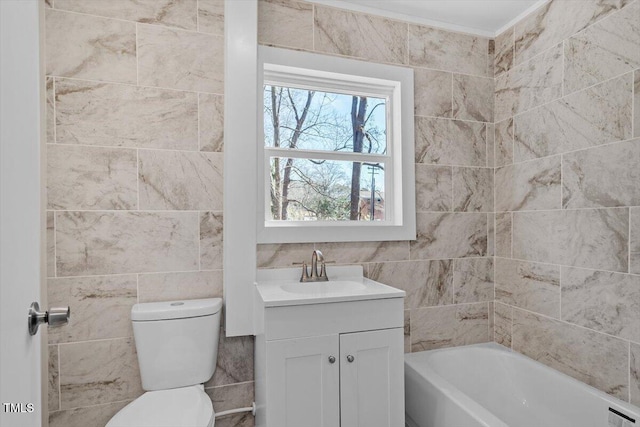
(515,188)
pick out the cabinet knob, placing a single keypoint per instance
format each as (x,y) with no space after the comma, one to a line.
(332,359)
(350,358)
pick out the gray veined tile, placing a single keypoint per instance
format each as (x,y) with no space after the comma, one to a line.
(211,240)
(531,185)
(473,98)
(51,244)
(211,122)
(448,326)
(636,104)
(95,372)
(504,142)
(93,243)
(407,331)
(450,235)
(534,287)
(603,301)
(235,361)
(529,85)
(433,93)
(53,380)
(491,238)
(472,189)
(157,287)
(634,246)
(491,145)
(98,415)
(602,176)
(592,238)
(596,359)
(491,321)
(175,13)
(231,396)
(173,180)
(556,21)
(427,283)
(504,51)
(503,318)
(90,178)
(491,57)
(283,255)
(473,280)
(181,60)
(359,35)
(211,16)
(503,234)
(634,374)
(286,23)
(443,50)
(433,188)
(359,252)
(594,116)
(101,306)
(88,47)
(450,142)
(604,50)
(50,111)
(107,114)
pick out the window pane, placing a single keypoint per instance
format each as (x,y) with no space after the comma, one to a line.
(321,190)
(315,120)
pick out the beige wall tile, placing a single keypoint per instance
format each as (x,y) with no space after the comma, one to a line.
(593,238)
(529,85)
(51,245)
(472,189)
(100,307)
(596,359)
(433,93)
(97,415)
(450,235)
(636,104)
(407,331)
(583,119)
(53,382)
(50,111)
(125,242)
(211,16)
(88,47)
(158,287)
(211,240)
(503,234)
(285,23)
(473,98)
(604,50)
(450,142)
(359,252)
(531,185)
(503,318)
(473,280)
(505,44)
(532,286)
(283,255)
(448,326)
(175,13)
(634,246)
(427,283)
(361,36)
(172,180)
(211,122)
(491,238)
(634,374)
(491,144)
(556,21)
(603,301)
(602,176)
(434,188)
(89,178)
(504,143)
(180,60)
(91,113)
(94,372)
(444,50)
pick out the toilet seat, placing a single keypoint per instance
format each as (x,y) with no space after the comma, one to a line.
(178,407)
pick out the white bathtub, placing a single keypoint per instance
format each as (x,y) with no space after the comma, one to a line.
(488,385)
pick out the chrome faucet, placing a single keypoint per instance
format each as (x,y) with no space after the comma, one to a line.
(315,277)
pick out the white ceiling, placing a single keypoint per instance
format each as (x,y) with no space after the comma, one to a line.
(480,17)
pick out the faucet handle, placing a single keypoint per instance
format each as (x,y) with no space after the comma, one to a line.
(305,273)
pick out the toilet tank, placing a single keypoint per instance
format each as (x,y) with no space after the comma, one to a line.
(176,341)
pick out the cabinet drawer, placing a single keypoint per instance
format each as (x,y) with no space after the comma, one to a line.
(334,318)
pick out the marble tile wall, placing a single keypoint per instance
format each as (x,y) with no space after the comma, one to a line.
(447,271)
(567,266)
(135,111)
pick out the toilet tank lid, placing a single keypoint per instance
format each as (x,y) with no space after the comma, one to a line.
(175,309)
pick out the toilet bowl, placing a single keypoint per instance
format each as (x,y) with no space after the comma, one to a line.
(177,346)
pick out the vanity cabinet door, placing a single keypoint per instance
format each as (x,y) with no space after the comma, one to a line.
(303,383)
(372,378)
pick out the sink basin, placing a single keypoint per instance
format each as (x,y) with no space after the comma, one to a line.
(333,287)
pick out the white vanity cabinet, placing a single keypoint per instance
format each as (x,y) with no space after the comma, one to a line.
(332,359)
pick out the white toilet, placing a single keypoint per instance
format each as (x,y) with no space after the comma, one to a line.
(177,345)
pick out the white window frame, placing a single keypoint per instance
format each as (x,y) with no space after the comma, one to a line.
(283,67)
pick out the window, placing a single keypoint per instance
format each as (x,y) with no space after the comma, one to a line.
(336,153)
